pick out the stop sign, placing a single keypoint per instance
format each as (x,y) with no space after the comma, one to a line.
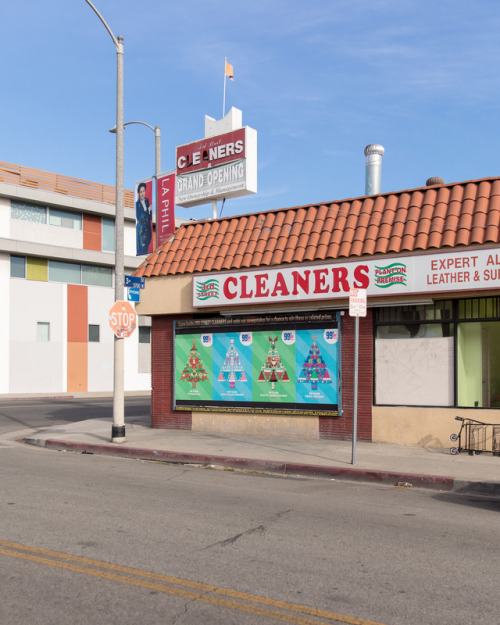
(122,319)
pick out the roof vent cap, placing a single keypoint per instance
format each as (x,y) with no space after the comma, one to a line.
(432,182)
(374,148)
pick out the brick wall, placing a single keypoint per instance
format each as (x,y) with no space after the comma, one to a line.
(340,428)
(162,364)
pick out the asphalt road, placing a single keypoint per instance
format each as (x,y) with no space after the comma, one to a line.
(95,539)
(24,413)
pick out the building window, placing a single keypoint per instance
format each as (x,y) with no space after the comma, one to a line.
(65,219)
(446,354)
(108,234)
(478,353)
(75,273)
(92,275)
(17,267)
(60,271)
(93,333)
(43,331)
(28,212)
(144,334)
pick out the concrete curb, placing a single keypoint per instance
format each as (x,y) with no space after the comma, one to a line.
(250,464)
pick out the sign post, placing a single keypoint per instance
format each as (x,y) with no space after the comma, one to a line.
(357,309)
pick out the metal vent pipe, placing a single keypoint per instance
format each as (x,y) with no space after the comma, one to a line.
(373,176)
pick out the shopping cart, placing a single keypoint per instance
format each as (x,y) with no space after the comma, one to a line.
(476,437)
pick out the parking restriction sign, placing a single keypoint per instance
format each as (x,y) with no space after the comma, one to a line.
(357,302)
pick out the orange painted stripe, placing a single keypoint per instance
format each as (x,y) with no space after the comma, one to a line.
(77,313)
(77,368)
(92,229)
(77,346)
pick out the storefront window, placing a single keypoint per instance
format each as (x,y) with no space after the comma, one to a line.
(452,363)
(478,364)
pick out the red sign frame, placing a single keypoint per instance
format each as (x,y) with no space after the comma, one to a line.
(210,152)
(165,202)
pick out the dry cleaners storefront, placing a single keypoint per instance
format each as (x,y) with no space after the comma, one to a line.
(271,350)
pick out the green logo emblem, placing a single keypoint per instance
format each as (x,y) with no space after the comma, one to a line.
(207,290)
(390,275)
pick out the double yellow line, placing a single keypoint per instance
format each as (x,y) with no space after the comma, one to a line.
(222,597)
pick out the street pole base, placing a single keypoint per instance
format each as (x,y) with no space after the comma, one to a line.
(118,434)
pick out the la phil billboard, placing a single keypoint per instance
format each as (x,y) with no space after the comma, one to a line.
(216,168)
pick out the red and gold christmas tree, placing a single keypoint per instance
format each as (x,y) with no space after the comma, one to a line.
(273,370)
(232,369)
(314,369)
(194,370)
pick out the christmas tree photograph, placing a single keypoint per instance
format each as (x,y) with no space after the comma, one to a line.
(314,370)
(273,370)
(232,369)
(194,371)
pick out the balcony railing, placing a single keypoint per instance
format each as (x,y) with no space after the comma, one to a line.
(65,185)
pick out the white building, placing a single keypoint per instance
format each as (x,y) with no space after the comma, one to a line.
(57,285)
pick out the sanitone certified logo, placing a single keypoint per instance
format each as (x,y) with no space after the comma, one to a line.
(390,275)
(207,290)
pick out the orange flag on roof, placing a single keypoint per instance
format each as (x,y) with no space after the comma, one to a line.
(229,71)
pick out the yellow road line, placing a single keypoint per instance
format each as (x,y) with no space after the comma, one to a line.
(65,560)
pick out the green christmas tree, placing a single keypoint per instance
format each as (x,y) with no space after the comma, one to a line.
(314,369)
(194,370)
(273,370)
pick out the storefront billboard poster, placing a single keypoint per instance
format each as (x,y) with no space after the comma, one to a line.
(289,368)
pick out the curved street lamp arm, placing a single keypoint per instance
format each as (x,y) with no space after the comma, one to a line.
(143,123)
(115,41)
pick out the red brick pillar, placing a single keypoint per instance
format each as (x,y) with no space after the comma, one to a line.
(340,428)
(162,377)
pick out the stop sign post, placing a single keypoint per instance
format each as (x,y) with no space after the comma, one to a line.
(122,319)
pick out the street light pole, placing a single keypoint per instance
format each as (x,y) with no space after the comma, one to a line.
(157,131)
(118,427)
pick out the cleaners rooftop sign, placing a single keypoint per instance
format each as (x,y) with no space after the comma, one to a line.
(216,168)
(411,275)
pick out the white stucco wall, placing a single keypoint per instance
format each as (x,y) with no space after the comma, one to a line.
(100,355)
(36,367)
(4,217)
(43,233)
(4,321)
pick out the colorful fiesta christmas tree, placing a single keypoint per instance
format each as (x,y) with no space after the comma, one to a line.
(194,371)
(232,369)
(273,370)
(314,369)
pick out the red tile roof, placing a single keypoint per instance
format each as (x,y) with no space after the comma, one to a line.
(444,216)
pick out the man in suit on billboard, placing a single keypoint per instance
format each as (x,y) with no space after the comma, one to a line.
(144,221)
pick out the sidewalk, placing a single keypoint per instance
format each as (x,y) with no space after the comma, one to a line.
(375,462)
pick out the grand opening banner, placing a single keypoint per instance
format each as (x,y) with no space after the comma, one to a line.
(286,368)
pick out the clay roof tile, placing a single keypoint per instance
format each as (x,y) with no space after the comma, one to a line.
(446,216)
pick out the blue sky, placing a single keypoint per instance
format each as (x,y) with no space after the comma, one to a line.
(318,80)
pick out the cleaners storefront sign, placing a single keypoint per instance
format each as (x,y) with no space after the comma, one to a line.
(470,270)
(224,166)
